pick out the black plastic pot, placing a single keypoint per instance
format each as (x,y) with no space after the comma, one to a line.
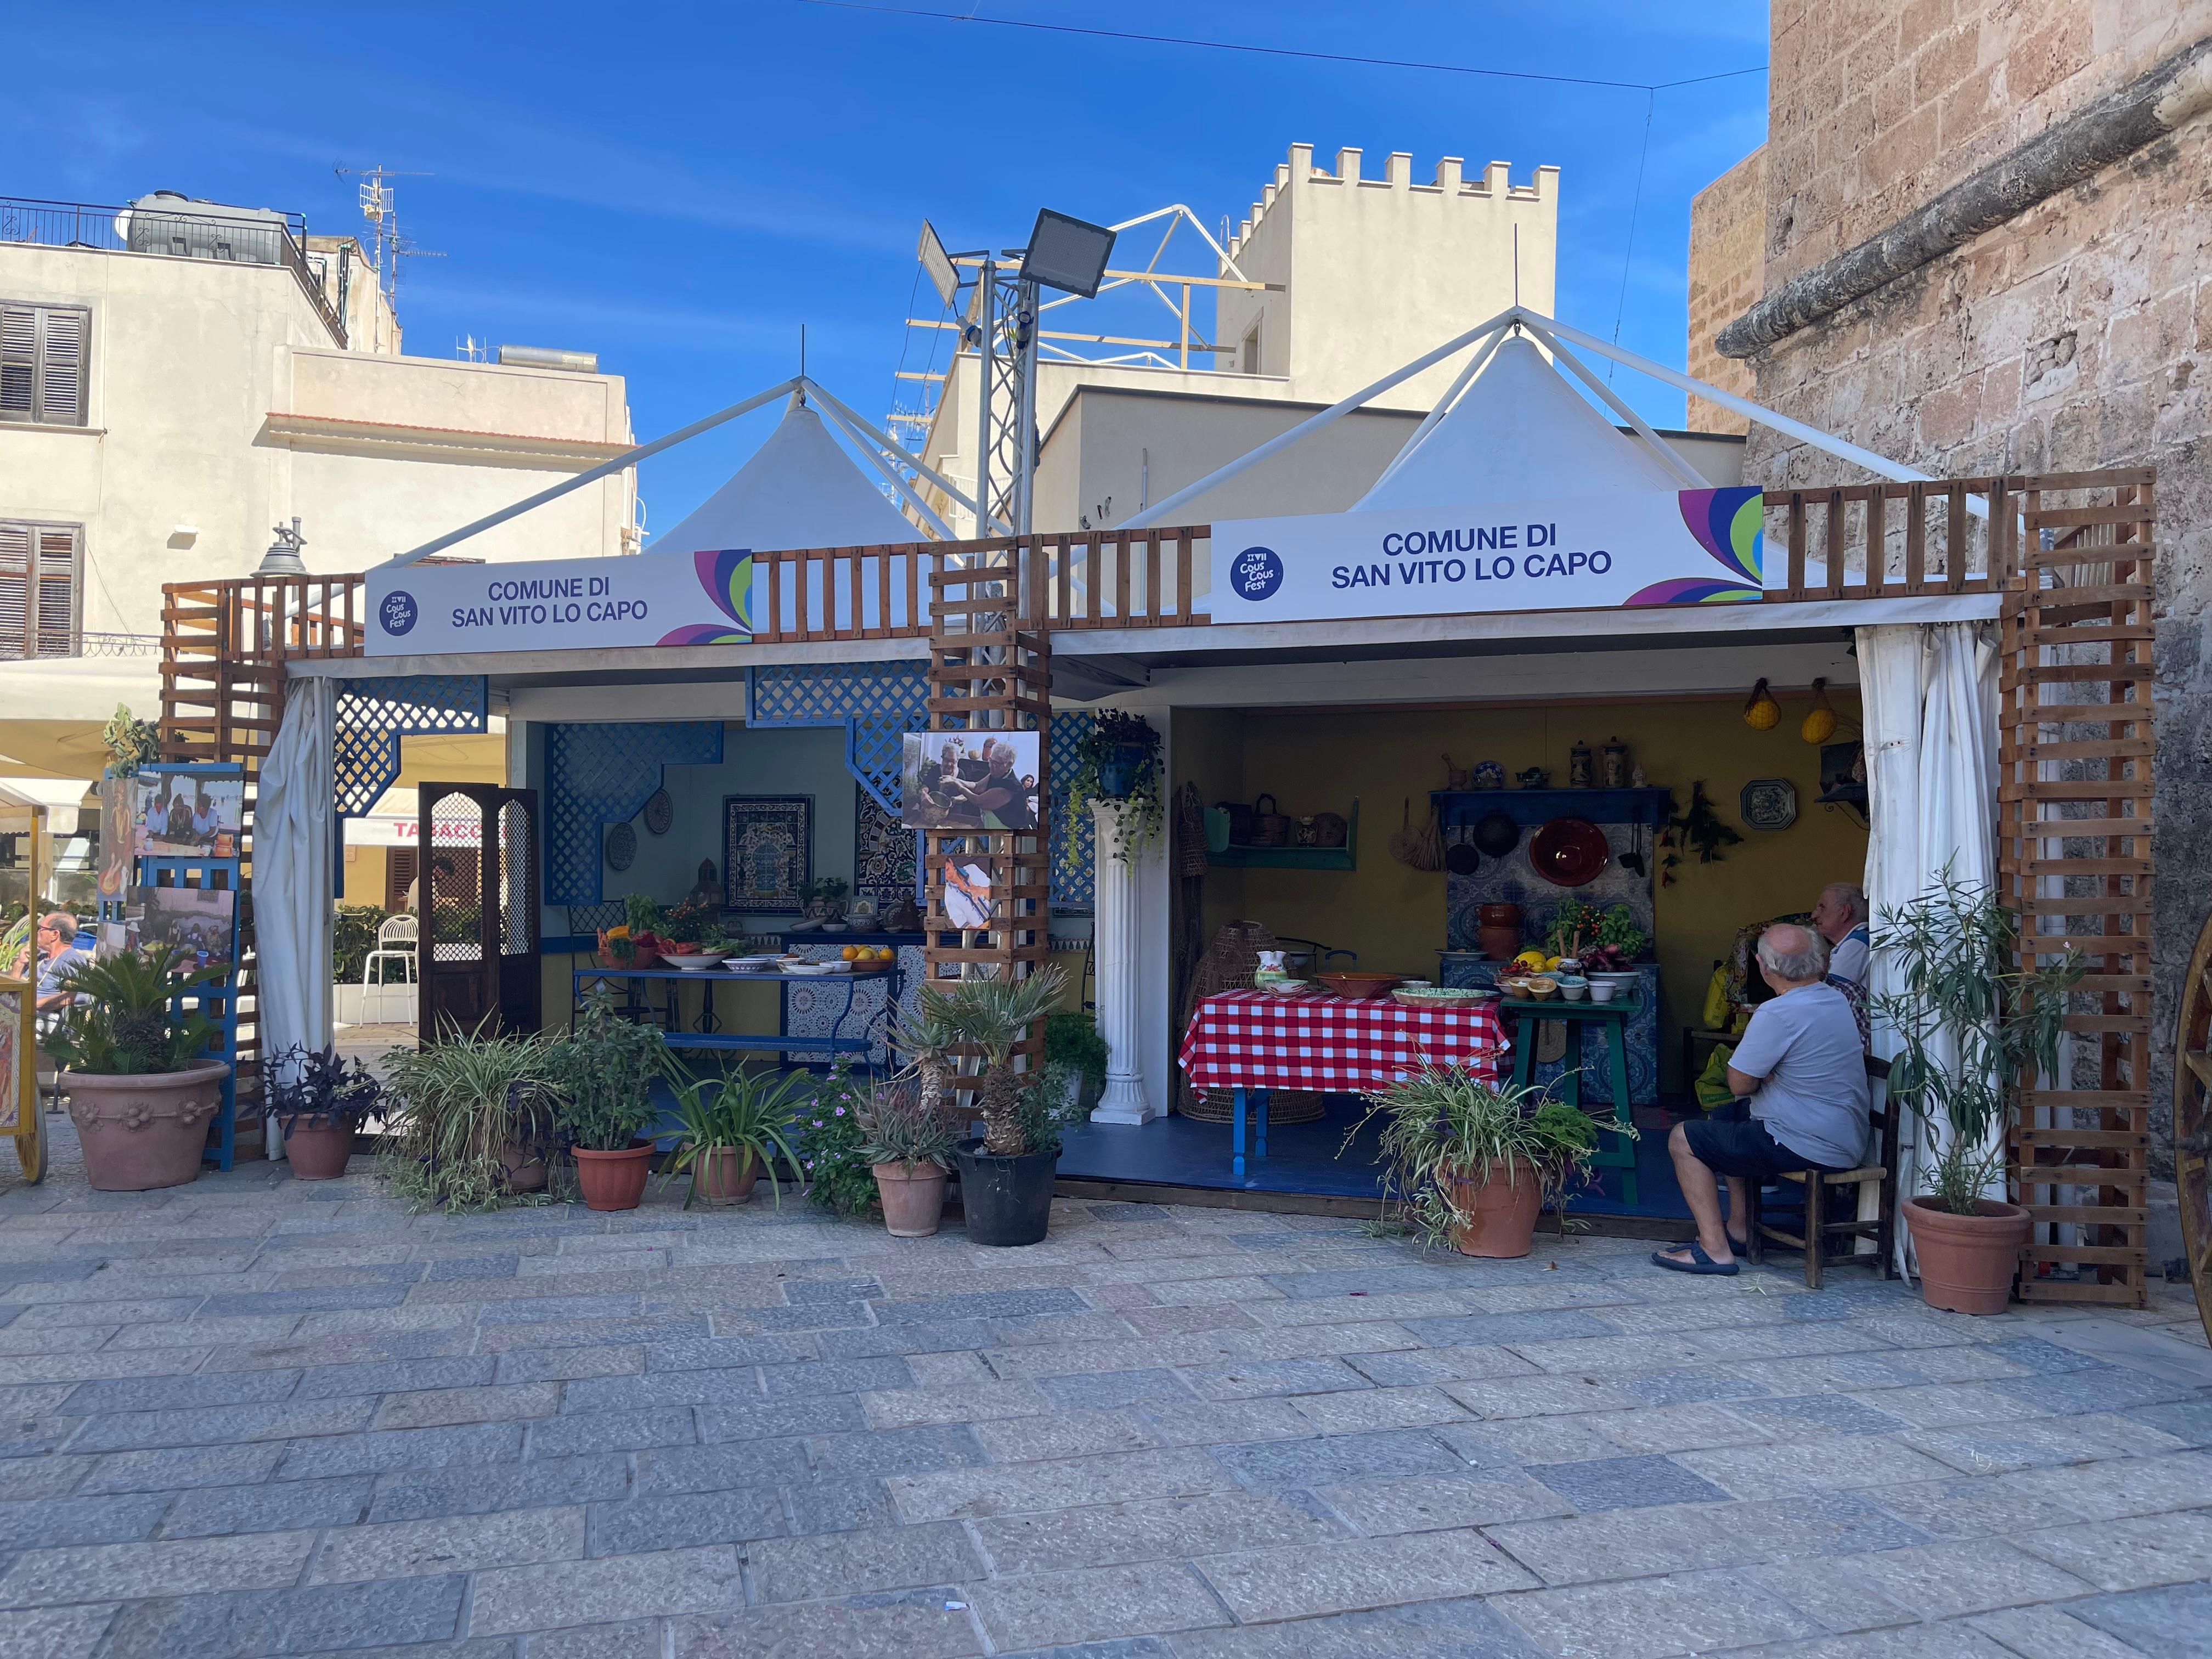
(1008,1201)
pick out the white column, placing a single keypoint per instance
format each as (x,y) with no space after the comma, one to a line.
(1116,944)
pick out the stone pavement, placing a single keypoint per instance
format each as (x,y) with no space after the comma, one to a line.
(257,1415)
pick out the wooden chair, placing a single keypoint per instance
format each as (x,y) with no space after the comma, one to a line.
(1881,1174)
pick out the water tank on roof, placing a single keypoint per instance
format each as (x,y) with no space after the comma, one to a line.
(577,363)
(169,221)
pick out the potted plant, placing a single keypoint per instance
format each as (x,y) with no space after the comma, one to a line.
(1473,1161)
(318,1100)
(1006,1176)
(1117,759)
(832,1149)
(909,1148)
(1973,1029)
(733,1124)
(1073,1044)
(605,1068)
(469,1118)
(141,1085)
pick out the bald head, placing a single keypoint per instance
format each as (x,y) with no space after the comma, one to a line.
(1792,954)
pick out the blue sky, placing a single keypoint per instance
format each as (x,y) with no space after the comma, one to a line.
(679,188)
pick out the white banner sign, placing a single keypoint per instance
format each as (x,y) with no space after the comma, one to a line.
(561,605)
(1698,547)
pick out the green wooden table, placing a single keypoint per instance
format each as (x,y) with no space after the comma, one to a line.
(1613,1152)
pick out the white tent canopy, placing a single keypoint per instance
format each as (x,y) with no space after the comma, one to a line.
(799,489)
(1518,432)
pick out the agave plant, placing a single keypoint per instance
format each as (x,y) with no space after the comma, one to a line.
(125,1020)
(992,1016)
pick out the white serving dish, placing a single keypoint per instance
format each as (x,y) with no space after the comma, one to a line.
(752,964)
(1602,990)
(1613,976)
(692,965)
(808,967)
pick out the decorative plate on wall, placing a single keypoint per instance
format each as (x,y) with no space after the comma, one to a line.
(659,812)
(622,846)
(1769,804)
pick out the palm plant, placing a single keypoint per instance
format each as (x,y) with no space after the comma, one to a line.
(924,1037)
(460,1108)
(1443,1125)
(993,1018)
(1974,1028)
(125,1020)
(747,1113)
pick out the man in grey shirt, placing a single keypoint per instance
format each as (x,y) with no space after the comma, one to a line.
(1841,917)
(1802,1065)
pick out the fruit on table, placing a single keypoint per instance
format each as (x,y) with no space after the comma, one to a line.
(1531,959)
(850,953)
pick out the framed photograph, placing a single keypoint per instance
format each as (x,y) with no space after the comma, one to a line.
(203,920)
(184,814)
(970,780)
(967,893)
(883,855)
(767,851)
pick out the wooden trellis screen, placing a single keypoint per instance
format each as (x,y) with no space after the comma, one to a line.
(990,670)
(2074,848)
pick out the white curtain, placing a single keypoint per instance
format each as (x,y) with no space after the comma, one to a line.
(293,889)
(1930,700)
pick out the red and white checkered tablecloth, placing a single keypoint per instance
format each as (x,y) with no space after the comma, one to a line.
(1333,1043)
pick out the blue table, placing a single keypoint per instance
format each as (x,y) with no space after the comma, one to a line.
(706,1032)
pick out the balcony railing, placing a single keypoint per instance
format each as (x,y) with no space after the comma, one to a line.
(80,642)
(259,239)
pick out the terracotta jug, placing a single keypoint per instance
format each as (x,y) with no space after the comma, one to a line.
(1499,934)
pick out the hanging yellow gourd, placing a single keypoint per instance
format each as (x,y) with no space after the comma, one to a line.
(1821,722)
(1761,713)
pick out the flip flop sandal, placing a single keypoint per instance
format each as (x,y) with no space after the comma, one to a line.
(1699,1262)
(1741,1248)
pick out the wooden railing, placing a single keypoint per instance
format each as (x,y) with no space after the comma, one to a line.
(1892,540)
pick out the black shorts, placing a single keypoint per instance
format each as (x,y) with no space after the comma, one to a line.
(1744,1149)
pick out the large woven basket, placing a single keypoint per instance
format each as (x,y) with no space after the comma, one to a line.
(1228,965)
(1284,1106)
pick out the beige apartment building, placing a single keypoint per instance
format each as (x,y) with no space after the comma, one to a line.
(179,377)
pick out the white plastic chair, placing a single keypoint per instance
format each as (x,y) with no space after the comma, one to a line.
(397,940)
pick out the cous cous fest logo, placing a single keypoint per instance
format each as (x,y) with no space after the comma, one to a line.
(1630,550)
(398,611)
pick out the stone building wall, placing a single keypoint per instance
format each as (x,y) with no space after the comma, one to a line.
(1727,234)
(2075,336)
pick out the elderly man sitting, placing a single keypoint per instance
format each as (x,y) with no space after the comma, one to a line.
(1803,1067)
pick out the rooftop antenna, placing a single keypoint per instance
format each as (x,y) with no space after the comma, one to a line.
(380,208)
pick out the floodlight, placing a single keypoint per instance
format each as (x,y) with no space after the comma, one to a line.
(1068,254)
(937,263)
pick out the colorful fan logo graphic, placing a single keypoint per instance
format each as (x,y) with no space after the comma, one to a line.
(727,576)
(1728,525)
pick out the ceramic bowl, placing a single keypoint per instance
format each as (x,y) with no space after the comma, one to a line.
(692,965)
(1602,991)
(1359,985)
(1574,992)
(1542,988)
(811,967)
(1287,987)
(1613,976)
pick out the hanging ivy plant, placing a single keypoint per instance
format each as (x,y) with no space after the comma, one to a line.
(1698,829)
(1117,759)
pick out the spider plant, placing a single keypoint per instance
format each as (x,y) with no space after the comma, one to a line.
(1443,1126)
(461,1107)
(993,1017)
(746,1113)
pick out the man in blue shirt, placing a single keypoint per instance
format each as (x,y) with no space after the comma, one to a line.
(1802,1065)
(57,954)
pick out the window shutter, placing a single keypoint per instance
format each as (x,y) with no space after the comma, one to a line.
(58,563)
(61,370)
(19,360)
(14,585)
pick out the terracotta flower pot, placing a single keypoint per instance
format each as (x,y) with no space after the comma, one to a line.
(913,1198)
(614,1180)
(1499,931)
(147,1131)
(318,1152)
(725,1175)
(524,1167)
(1502,1215)
(1967,1261)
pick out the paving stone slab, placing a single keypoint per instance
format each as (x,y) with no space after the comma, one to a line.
(777,1420)
(1359,1412)
(859,1562)
(1790,1469)
(1408,1369)
(838,1505)
(2110,1389)
(36,1523)
(720,1468)
(1103,1390)
(1653,1617)
(684,1519)
(377,1451)
(667,1584)
(155,1430)
(2135,1553)
(271,1506)
(2055,1633)
(189,1393)
(1642,1542)
(1043,1610)
(893,1625)
(395,1376)
(1824,1589)
(2175,1623)
(1950,1580)
(1615,1483)
(2037,1442)
(1272,1584)
(1275,1464)
(879,1452)
(1468,1629)
(1065,1434)
(1154,1529)
(169,1471)
(49,1577)
(971,1403)
(1829,1414)
(955,1494)
(417,1494)
(2122,1487)
(461,1543)
(2189,1421)
(423,1408)
(54,1632)
(564,1365)
(321,1618)
(637,1639)
(573,1434)
(1422,1502)
(1247,1379)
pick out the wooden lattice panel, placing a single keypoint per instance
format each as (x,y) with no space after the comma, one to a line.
(990,670)
(2075,829)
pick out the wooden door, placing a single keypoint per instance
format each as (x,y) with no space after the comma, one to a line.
(478,889)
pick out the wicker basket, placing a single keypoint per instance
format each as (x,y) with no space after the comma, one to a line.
(1329,829)
(1284,1106)
(1228,965)
(1270,827)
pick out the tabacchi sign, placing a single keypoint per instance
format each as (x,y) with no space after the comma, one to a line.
(561,605)
(1697,547)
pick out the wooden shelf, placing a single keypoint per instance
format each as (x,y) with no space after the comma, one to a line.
(1346,857)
